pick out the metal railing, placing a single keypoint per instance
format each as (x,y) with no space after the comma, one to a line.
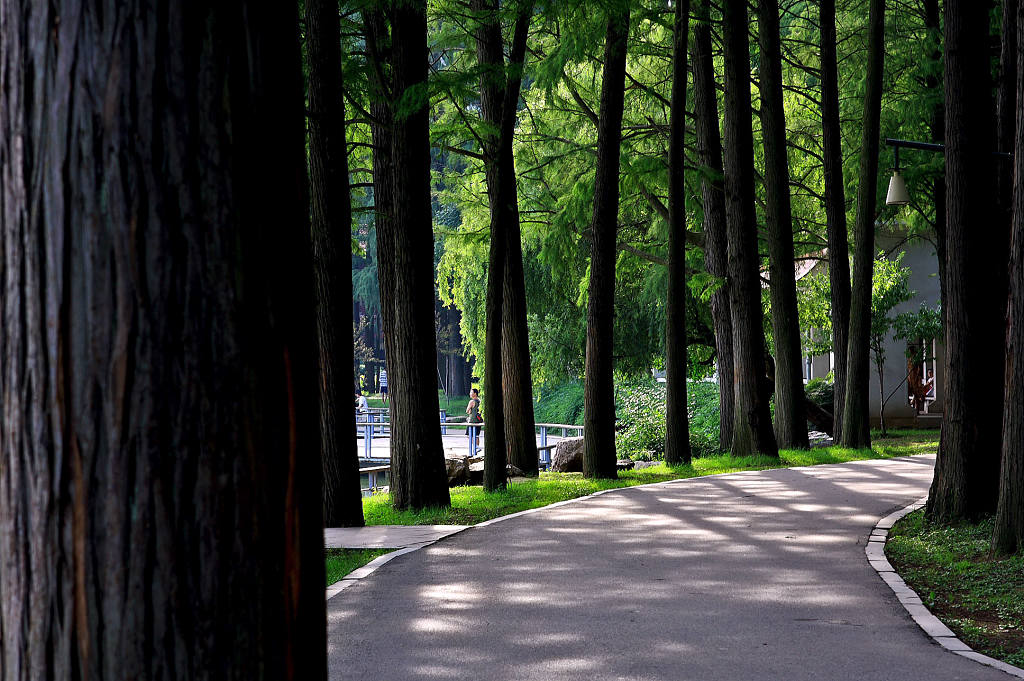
(376,422)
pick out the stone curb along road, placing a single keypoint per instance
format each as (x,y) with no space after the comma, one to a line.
(931,624)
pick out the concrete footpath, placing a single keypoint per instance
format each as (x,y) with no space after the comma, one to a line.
(756,575)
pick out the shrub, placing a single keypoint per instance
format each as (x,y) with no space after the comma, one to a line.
(560,404)
(640,418)
(701,445)
(820,392)
(704,415)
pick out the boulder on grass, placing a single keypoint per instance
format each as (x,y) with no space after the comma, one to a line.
(458,469)
(568,455)
(475,472)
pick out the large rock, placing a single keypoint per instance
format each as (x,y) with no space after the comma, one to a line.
(458,469)
(568,455)
(475,472)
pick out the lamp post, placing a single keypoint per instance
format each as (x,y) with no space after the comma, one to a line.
(897,194)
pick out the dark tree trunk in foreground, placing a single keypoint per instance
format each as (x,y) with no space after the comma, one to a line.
(677,434)
(709,149)
(752,424)
(502,96)
(331,213)
(855,430)
(418,476)
(966,482)
(599,390)
(835,209)
(160,497)
(790,416)
(1008,535)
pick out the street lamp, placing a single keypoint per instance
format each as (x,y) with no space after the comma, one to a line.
(897,194)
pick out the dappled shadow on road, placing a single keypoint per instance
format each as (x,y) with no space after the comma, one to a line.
(749,575)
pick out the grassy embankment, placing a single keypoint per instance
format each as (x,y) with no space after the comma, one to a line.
(979,597)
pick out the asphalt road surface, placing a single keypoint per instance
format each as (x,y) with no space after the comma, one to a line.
(756,575)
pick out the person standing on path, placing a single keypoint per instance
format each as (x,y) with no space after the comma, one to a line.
(473,409)
(384,385)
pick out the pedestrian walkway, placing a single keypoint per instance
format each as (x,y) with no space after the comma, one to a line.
(754,575)
(386,536)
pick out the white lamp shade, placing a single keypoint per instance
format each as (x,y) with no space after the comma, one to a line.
(897,195)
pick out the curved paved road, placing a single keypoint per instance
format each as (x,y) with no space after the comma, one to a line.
(758,575)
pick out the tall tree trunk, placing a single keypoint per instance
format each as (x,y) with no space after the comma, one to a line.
(492,99)
(790,415)
(331,213)
(599,389)
(1006,110)
(418,476)
(1008,535)
(378,51)
(835,209)
(937,127)
(158,346)
(709,149)
(752,425)
(677,432)
(855,432)
(503,97)
(966,483)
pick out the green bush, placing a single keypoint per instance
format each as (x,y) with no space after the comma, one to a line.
(640,414)
(704,416)
(560,404)
(820,392)
(703,446)
(640,418)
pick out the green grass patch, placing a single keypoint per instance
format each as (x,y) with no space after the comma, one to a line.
(470,504)
(456,406)
(979,597)
(340,562)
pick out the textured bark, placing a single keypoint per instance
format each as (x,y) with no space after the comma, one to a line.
(502,202)
(378,53)
(855,430)
(677,432)
(157,352)
(835,208)
(1006,109)
(790,416)
(1008,534)
(418,476)
(752,425)
(599,389)
(331,219)
(966,482)
(937,126)
(504,85)
(709,149)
